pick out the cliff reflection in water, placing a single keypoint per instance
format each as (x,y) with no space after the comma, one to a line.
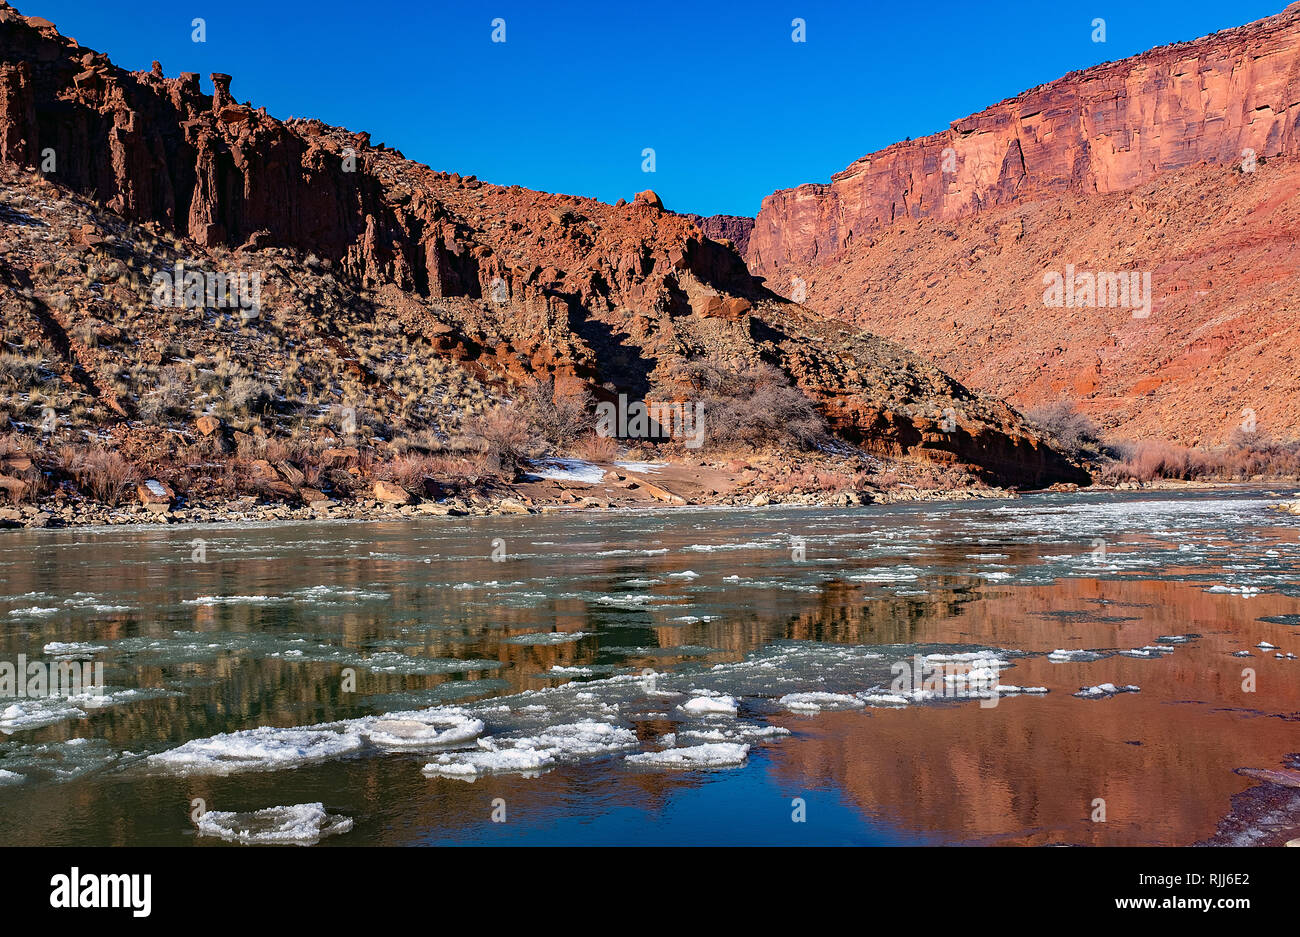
(263,634)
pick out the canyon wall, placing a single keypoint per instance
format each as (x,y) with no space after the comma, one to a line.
(1104,129)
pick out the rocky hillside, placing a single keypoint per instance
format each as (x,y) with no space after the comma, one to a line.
(1216,355)
(414,299)
(1178,163)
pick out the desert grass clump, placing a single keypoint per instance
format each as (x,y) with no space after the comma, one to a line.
(596,448)
(104,474)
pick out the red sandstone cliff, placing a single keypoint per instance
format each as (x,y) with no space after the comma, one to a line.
(1132,166)
(1104,129)
(503,281)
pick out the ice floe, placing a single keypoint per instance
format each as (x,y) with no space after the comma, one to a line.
(434,728)
(816,702)
(531,753)
(708,755)
(710,705)
(298,825)
(262,749)
(1102,690)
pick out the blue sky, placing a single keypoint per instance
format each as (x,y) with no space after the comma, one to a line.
(731,105)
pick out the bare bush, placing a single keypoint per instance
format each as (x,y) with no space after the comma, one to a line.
(1072,431)
(558,412)
(246,394)
(104,475)
(596,448)
(506,438)
(755,407)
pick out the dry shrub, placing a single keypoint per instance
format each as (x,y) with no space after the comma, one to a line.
(1151,459)
(755,407)
(410,471)
(505,437)
(1073,432)
(104,475)
(596,448)
(558,411)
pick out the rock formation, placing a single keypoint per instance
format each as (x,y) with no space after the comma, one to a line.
(1136,165)
(1104,129)
(505,281)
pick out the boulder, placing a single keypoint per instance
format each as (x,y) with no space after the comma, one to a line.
(156,496)
(391,493)
(649,199)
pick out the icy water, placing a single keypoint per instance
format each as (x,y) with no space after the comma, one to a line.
(644,678)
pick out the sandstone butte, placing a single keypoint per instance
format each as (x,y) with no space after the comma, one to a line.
(499,281)
(941,243)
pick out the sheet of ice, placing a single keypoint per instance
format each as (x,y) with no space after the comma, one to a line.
(262,749)
(532,753)
(547,637)
(1148,652)
(883,699)
(642,468)
(10,777)
(694,757)
(73,650)
(35,611)
(1103,690)
(568,470)
(706,705)
(815,702)
(728,732)
(435,728)
(1062,656)
(29,714)
(298,825)
(235,600)
(37,712)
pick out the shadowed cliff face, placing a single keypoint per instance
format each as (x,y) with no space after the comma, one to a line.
(1105,129)
(619,296)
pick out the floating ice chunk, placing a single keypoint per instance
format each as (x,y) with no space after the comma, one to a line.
(883,699)
(1003,690)
(1149,651)
(300,825)
(1265,646)
(546,637)
(685,574)
(428,729)
(1104,690)
(37,713)
(709,755)
(527,754)
(742,732)
(710,706)
(234,600)
(816,702)
(71,650)
(1062,656)
(262,749)
(35,611)
(1235,590)
(10,777)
